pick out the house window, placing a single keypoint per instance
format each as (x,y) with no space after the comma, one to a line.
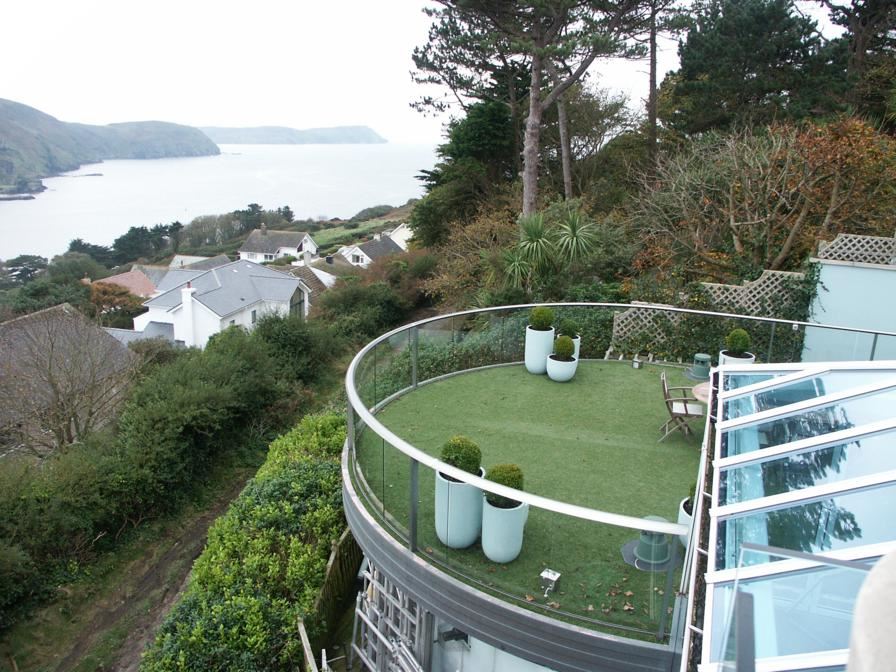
(232,322)
(356,258)
(269,257)
(254,317)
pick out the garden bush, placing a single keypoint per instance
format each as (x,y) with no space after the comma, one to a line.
(264,563)
(463,453)
(504,474)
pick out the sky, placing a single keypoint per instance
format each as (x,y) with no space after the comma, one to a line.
(292,63)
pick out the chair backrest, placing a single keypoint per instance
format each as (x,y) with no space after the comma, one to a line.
(665,385)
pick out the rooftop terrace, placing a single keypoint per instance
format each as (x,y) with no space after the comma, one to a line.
(591,442)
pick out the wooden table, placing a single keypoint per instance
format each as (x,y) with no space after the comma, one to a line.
(702,391)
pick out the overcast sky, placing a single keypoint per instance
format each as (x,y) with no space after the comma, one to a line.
(223,63)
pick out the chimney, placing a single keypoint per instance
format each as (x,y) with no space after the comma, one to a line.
(377,236)
(264,229)
(306,257)
(187,327)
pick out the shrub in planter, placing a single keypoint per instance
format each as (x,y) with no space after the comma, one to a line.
(503,519)
(561,366)
(539,338)
(458,506)
(737,342)
(569,327)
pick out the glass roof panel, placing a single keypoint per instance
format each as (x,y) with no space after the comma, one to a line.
(833,417)
(865,455)
(733,381)
(844,521)
(829,382)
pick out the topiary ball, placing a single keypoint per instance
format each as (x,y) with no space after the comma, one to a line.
(568,327)
(504,474)
(541,318)
(564,348)
(737,342)
(463,453)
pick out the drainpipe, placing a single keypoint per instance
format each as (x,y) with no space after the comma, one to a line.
(186,299)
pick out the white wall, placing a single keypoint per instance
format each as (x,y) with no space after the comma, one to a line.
(349,252)
(477,656)
(852,295)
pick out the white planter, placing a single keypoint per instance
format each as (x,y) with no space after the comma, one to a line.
(561,371)
(684,518)
(539,344)
(502,531)
(725,358)
(577,343)
(458,512)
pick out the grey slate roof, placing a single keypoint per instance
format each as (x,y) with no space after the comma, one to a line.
(229,288)
(208,264)
(270,241)
(153,330)
(380,248)
(155,273)
(177,277)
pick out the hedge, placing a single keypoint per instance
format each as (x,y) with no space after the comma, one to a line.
(264,562)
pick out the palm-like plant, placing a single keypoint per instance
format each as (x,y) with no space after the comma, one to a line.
(535,244)
(575,238)
(516,268)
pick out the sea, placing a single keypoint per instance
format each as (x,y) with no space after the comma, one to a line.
(99,202)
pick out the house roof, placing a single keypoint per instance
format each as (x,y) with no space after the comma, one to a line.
(310,278)
(56,341)
(135,281)
(380,247)
(181,260)
(164,330)
(177,277)
(208,264)
(153,272)
(229,288)
(268,242)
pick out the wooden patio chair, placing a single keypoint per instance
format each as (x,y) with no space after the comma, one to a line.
(682,409)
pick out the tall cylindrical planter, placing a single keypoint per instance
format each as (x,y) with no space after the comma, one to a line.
(577,344)
(684,518)
(502,531)
(539,344)
(725,358)
(458,512)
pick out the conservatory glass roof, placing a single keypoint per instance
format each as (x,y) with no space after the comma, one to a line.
(804,479)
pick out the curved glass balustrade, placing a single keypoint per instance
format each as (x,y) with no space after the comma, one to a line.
(598,482)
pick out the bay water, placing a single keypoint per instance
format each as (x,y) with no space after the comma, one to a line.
(100,202)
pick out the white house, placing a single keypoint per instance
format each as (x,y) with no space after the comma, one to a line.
(364,254)
(402,235)
(238,293)
(263,245)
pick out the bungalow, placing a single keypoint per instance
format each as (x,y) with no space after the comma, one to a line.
(402,235)
(238,293)
(366,253)
(263,245)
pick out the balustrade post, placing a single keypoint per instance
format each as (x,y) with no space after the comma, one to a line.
(415,351)
(412,509)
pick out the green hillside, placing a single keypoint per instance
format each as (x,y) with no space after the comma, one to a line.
(35,145)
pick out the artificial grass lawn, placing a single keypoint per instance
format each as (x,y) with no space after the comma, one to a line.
(592,441)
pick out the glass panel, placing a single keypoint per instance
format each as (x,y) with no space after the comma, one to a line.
(735,381)
(794,613)
(845,521)
(832,417)
(866,455)
(801,390)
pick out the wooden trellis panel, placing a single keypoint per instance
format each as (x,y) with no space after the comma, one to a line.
(861,249)
(751,298)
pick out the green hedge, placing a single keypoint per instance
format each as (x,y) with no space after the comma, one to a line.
(264,563)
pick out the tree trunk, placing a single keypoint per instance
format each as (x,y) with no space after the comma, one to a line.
(531,139)
(652,94)
(565,149)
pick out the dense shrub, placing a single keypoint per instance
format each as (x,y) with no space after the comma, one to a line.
(564,348)
(362,311)
(301,347)
(541,318)
(264,563)
(504,474)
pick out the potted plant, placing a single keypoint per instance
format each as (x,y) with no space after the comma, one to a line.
(561,365)
(539,338)
(686,514)
(569,327)
(736,344)
(503,519)
(459,505)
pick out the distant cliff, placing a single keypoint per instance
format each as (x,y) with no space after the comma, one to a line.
(281,135)
(35,145)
